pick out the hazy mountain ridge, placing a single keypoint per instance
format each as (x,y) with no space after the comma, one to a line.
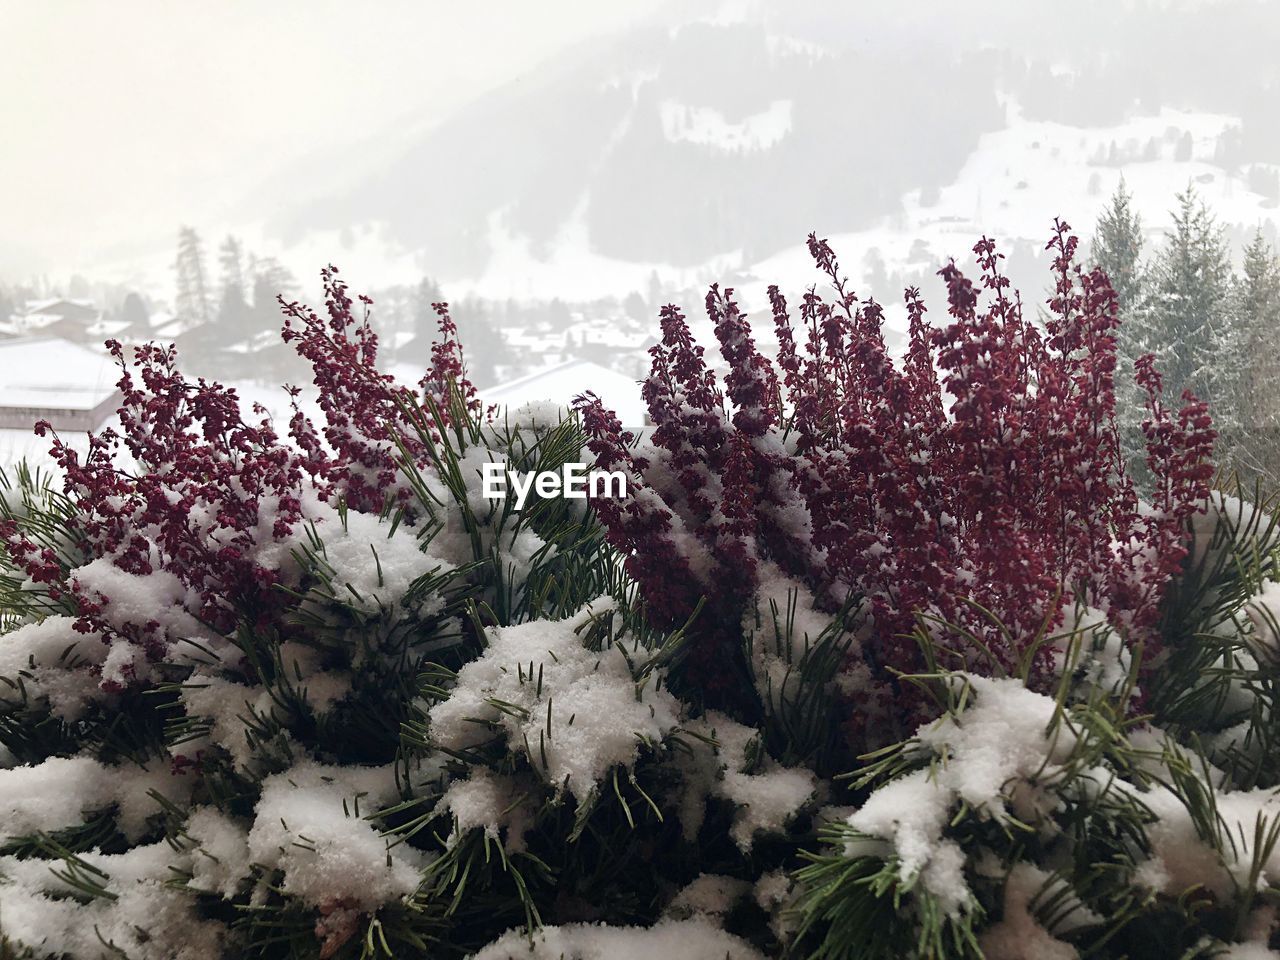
(594,131)
(792,121)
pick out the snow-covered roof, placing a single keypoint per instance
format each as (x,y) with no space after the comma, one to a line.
(165,326)
(567,380)
(526,338)
(608,334)
(54,374)
(38,321)
(43,306)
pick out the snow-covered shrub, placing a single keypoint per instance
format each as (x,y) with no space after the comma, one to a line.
(318,697)
(1019,825)
(1220,667)
(214,641)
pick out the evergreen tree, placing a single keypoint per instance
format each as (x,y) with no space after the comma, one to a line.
(235,318)
(488,350)
(876,274)
(1257,296)
(558,314)
(1264,180)
(134,312)
(1117,250)
(78,288)
(655,291)
(1190,317)
(635,307)
(424,317)
(8,304)
(1185,147)
(193,300)
(231,260)
(270,280)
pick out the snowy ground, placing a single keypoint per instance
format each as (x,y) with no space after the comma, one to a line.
(566,381)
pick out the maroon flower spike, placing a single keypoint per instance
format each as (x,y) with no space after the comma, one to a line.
(365,410)
(980,485)
(198,493)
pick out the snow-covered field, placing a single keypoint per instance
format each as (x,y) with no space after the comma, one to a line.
(708,127)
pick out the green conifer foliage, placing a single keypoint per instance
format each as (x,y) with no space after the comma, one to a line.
(1257,304)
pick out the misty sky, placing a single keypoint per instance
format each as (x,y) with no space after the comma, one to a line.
(124,119)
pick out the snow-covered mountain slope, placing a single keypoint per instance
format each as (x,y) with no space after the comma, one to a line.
(1013,185)
(717,135)
(1010,187)
(677,143)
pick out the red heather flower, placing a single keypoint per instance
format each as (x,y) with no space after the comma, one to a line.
(1178,454)
(447,371)
(752,384)
(980,484)
(197,495)
(641,527)
(366,412)
(198,492)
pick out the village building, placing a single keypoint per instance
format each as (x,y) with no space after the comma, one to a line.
(70,385)
(61,317)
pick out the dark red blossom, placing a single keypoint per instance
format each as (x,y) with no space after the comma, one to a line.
(188,489)
(365,410)
(979,485)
